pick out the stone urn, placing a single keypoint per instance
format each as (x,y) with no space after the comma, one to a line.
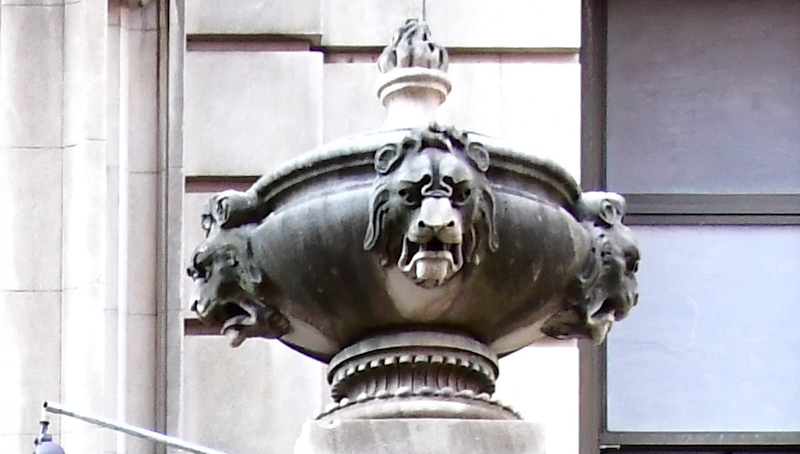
(411,258)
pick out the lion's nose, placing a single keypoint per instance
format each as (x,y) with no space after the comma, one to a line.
(436,213)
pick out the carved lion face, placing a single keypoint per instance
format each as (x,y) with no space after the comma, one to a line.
(431,208)
(605,289)
(619,258)
(228,281)
(221,267)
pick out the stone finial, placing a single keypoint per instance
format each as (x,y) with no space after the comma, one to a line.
(411,47)
(414,83)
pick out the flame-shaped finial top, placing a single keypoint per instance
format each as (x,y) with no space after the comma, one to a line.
(414,82)
(411,47)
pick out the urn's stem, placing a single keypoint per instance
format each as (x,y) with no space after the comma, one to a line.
(417,374)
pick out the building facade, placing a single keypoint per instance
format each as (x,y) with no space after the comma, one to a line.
(120,119)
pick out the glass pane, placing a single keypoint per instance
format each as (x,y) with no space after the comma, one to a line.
(703,96)
(714,344)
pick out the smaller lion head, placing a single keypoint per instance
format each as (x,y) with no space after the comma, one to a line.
(618,253)
(606,287)
(222,267)
(225,270)
(617,290)
(431,209)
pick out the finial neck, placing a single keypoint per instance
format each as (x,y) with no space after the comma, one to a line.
(412,96)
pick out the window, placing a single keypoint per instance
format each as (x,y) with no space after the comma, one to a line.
(691,111)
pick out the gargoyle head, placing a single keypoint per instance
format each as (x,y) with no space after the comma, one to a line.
(229,279)
(431,209)
(618,254)
(605,288)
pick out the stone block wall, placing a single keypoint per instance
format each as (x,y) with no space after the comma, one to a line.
(267,80)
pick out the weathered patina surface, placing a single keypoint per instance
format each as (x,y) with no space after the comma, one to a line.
(432,227)
(410,259)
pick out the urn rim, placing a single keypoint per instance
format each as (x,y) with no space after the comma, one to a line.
(354,153)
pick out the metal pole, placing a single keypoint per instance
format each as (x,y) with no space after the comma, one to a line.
(55,408)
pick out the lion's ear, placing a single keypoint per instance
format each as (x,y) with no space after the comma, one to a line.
(479,156)
(378,207)
(605,207)
(612,210)
(487,208)
(387,157)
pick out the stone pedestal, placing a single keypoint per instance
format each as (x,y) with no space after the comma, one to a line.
(417,374)
(420,436)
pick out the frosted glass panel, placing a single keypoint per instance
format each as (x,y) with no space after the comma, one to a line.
(703,96)
(714,344)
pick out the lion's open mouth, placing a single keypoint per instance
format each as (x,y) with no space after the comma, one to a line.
(233,316)
(432,263)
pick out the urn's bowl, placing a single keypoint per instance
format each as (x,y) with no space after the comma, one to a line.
(318,253)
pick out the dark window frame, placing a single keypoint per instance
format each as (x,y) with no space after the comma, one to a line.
(656,209)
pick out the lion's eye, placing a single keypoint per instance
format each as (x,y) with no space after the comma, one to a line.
(632,260)
(634,267)
(461,194)
(410,196)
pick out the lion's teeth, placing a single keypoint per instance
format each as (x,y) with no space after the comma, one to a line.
(459,258)
(403,261)
(420,270)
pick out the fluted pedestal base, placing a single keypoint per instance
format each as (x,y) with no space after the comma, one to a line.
(416,374)
(417,392)
(420,436)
